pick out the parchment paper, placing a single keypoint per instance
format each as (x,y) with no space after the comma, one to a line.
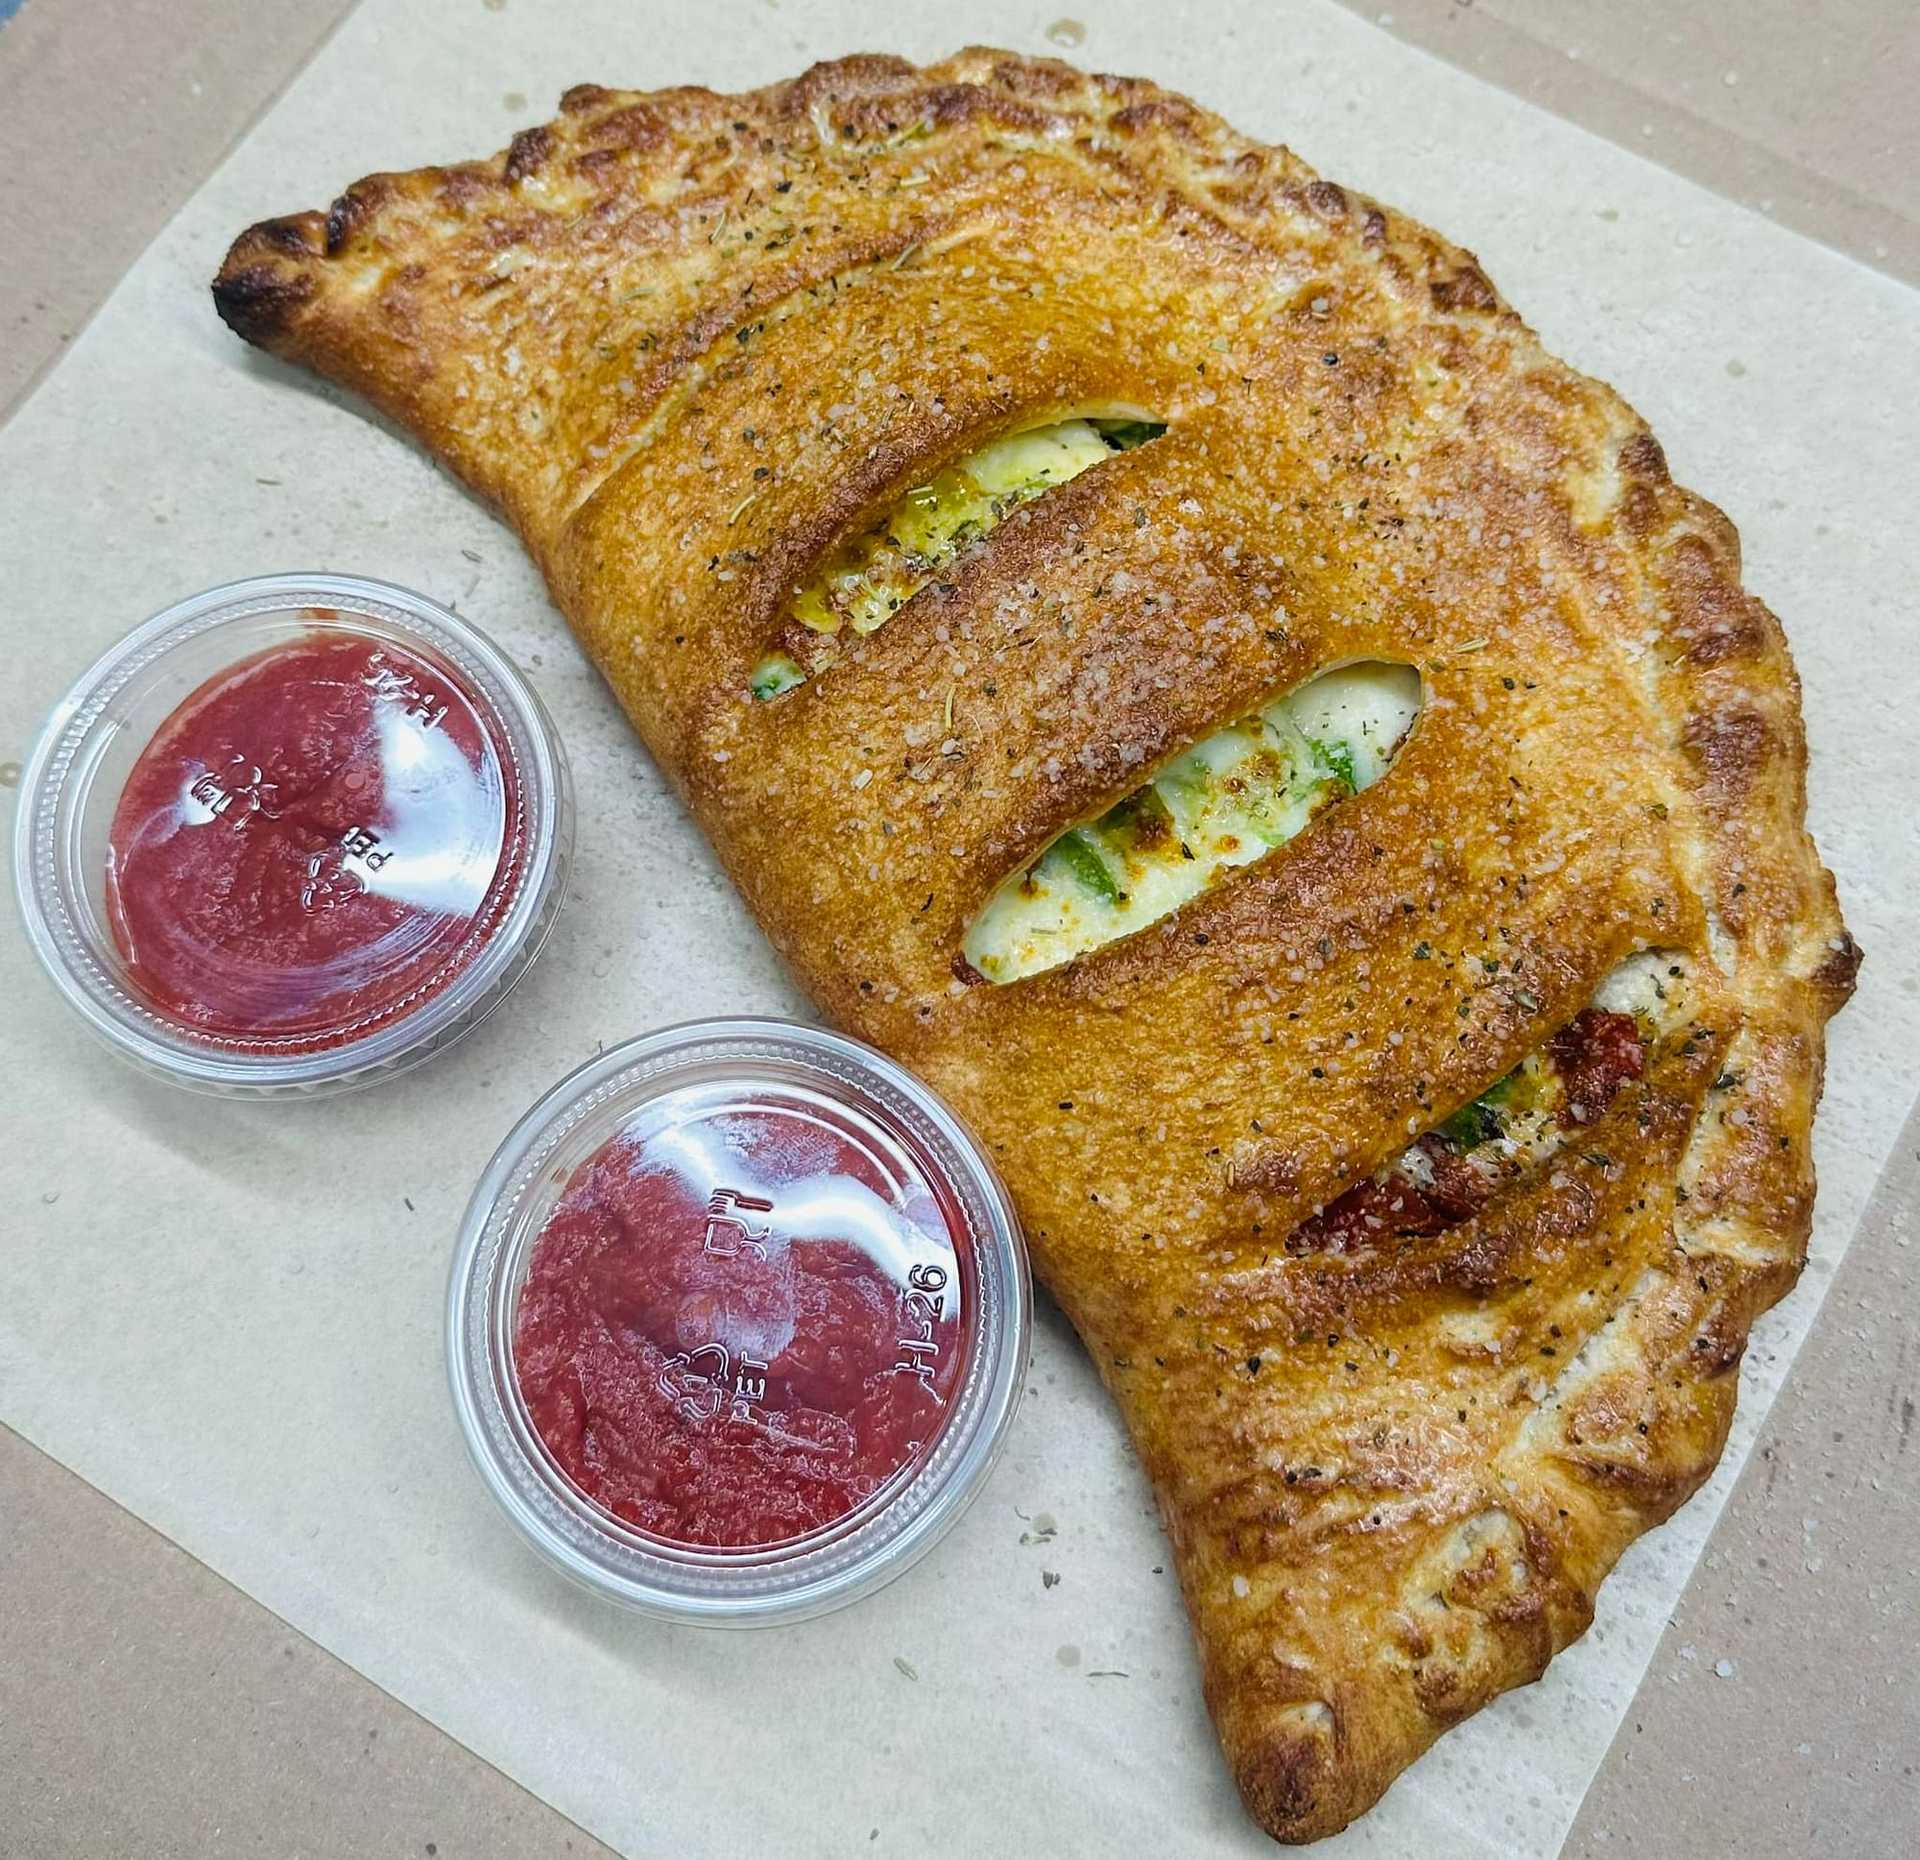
(228,1316)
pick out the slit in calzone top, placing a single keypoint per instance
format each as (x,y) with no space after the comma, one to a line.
(1234,796)
(1520,1124)
(870,576)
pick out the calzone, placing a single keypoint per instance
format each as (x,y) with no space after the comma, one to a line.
(1164,652)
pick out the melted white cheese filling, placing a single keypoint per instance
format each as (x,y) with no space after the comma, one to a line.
(1230,798)
(872,575)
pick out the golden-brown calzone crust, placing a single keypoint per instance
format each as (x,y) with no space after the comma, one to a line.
(687,341)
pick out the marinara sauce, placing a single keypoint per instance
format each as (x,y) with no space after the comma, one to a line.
(745,1318)
(317,839)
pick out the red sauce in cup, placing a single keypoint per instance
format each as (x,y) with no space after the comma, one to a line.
(317,839)
(742,1321)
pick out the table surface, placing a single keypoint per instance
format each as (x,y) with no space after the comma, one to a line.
(227,1729)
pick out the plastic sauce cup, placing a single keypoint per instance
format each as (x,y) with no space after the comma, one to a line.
(294,834)
(737,1322)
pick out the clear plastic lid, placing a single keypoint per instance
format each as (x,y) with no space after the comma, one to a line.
(737,1322)
(295,833)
